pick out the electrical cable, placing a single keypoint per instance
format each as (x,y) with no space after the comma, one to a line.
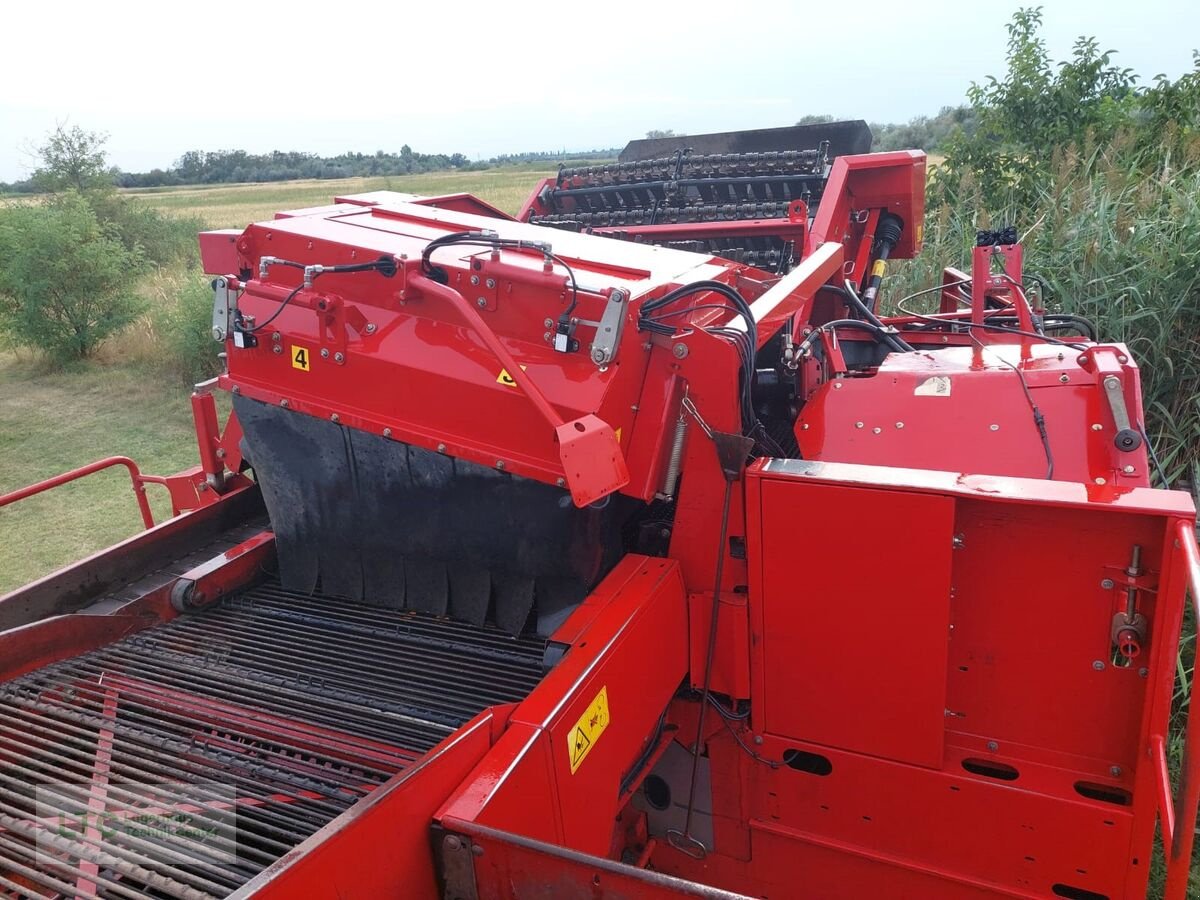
(274,315)
(1038,419)
(852,299)
(812,336)
(385,265)
(685,834)
(745,340)
(729,719)
(485,239)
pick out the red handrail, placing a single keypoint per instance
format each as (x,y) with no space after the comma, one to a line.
(1179,817)
(135,476)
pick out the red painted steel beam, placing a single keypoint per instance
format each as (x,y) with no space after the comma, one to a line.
(136,477)
(1179,819)
(592,460)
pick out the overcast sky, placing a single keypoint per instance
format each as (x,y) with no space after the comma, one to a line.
(164,77)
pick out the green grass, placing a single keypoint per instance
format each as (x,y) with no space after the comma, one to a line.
(52,422)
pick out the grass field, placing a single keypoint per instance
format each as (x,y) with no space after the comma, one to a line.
(233,206)
(121,403)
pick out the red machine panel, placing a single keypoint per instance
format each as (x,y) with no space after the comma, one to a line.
(855,656)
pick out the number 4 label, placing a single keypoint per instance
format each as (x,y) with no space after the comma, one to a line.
(300,358)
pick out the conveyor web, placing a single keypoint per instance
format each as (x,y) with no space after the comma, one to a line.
(261,719)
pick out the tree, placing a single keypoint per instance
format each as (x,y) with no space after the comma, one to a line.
(663,133)
(73,159)
(1035,110)
(66,280)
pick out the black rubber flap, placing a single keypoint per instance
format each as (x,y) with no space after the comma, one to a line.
(384,522)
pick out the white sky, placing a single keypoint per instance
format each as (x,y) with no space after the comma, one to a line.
(494,77)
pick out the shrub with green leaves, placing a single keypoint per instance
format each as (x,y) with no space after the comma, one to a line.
(1101,178)
(66,280)
(183,316)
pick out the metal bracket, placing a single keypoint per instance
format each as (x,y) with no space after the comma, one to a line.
(224,308)
(1126,438)
(458,868)
(608,332)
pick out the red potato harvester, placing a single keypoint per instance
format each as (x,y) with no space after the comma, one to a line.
(622,549)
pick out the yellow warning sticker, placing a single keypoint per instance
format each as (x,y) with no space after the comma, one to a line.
(618,434)
(300,358)
(506,379)
(587,730)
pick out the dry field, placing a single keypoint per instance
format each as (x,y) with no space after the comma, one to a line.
(235,205)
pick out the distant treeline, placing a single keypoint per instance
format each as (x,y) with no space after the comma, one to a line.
(928,133)
(238,166)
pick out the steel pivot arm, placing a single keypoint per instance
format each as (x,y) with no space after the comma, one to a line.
(591,457)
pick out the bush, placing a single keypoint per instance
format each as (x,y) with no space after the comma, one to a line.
(1102,179)
(66,280)
(183,319)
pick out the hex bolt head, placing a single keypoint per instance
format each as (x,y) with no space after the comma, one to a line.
(499,464)
(993,746)
(899,424)
(837,385)
(1098,665)
(1143,672)
(441,448)
(474,279)
(1107,584)
(858,424)
(276,336)
(877,430)
(958,542)
(1115,771)
(324,353)
(387,432)
(220,453)
(1128,470)
(680,350)
(1063,378)
(218,334)
(562,482)
(548,322)
(1097,427)
(370,328)
(284,403)
(335,418)
(278,348)
(758,739)
(481,302)
(339,358)
(993,427)
(491,282)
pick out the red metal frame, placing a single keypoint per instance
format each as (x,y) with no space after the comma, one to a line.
(899,626)
(136,478)
(1177,817)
